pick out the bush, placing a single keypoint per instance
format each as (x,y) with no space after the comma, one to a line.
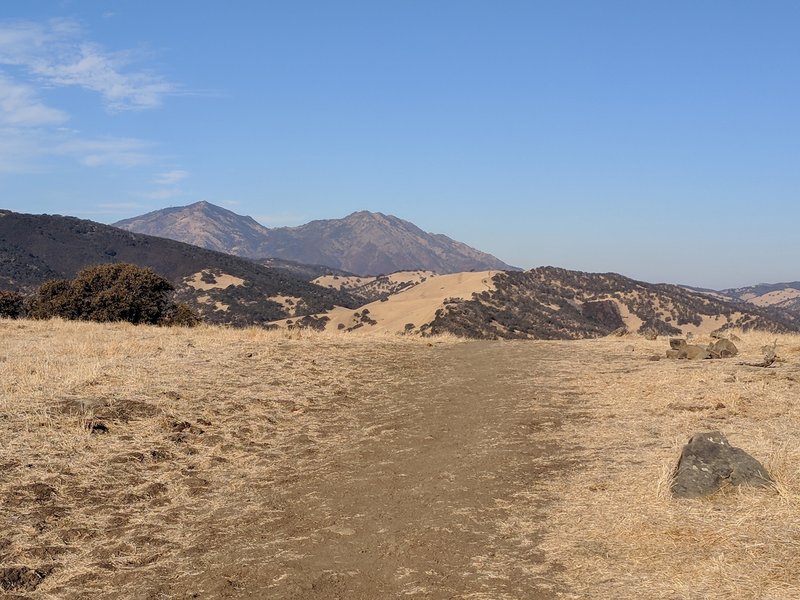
(12,305)
(54,298)
(108,292)
(182,315)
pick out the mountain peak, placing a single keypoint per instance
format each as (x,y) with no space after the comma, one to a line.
(364,242)
(365,214)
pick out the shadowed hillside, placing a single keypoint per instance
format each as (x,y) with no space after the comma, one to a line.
(552,303)
(224,288)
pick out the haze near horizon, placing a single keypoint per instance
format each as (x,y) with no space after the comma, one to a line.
(655,141)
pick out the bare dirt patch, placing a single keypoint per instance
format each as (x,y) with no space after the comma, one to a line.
(205,280)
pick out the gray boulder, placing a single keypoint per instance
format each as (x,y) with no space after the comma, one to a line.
(708,462)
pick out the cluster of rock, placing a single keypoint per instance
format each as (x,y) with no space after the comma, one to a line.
(681,349)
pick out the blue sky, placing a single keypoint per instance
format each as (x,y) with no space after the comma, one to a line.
(660,140)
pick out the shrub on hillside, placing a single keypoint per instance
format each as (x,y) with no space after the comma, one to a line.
(182,315)
(12,305)
(54,298)
(108,292)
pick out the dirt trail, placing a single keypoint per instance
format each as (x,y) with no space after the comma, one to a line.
(409,491)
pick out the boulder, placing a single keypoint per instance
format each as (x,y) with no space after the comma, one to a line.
(677,343)
(689,352)
(708,462)
(723,349)
(692,352)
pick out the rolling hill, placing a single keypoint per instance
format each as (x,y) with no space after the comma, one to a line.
(363,243)
(548,303)
(224,288)
(779,295)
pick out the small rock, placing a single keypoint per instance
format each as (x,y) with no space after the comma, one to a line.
(654,357)
(677,343)
(708,461)
(96,427)
(629,348)
(729,379)
(650,334)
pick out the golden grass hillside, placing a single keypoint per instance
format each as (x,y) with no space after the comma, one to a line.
(144,462)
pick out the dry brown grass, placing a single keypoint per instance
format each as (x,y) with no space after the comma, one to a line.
(194,415)
(616,529)
(199,417)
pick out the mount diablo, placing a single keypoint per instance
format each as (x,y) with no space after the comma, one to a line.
(365,243)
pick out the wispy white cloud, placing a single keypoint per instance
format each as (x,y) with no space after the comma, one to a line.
(38,57)
(29,149)
(119,152)
(164,194)
(171,177)
(20,106)
(57,53)
(20,149)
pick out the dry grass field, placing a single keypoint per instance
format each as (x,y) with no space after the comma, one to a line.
(149,463)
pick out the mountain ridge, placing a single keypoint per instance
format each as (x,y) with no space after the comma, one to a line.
(785,295)
(364,243)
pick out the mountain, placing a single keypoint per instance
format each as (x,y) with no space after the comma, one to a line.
(224,288)
(205,225)
(549,303)
(363,243)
